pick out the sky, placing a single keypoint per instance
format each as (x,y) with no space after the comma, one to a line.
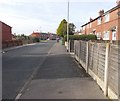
(26,16)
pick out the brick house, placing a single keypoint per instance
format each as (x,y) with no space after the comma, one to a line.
(6,31)
(106,25)
(43,36)
(35,35)
(39,35)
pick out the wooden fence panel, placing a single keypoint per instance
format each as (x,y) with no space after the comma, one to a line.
(101,60)
(76,48)
(83,51)
(113,68)
(97,61)
(90,56)
(95,58)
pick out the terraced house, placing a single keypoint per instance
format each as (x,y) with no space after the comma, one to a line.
(106,26)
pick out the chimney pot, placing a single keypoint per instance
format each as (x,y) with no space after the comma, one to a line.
(91,19)
(118,2)
(101,12)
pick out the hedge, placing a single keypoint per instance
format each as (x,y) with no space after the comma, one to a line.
(81,37)
(11,43)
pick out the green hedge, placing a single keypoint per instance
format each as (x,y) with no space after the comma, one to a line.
(81,37)
(36,40)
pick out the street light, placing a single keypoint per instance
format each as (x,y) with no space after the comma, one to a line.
(68,26)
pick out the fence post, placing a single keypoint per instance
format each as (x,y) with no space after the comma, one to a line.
(74,48)
(79,51)
(69,46)
(87,50)
(106,70)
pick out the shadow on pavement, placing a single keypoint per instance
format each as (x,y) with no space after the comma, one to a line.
(60,66)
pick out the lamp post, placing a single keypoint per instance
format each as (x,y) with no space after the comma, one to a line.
(68,26)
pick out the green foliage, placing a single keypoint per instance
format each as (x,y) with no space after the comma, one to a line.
(36,40)
(91,37)
(62,29)
(81,37)
(71,28)
(22,37)
(63,41)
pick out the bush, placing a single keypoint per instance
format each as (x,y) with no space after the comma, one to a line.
(36,40)
(91,37)
(81,37)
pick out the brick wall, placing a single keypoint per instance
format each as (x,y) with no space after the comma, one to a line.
(101,29)
(6,32)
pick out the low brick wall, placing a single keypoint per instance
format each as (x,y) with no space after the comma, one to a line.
(6,44)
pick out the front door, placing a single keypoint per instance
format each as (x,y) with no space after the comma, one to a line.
(114,35)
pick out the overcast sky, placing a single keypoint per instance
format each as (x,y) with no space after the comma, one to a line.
(26,16)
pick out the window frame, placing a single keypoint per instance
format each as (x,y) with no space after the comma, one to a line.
(83,27)
(99,21)
(90,25)
(106,35)
(107,17)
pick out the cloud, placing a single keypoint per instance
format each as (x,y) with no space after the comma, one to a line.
(24,19)
(26,16)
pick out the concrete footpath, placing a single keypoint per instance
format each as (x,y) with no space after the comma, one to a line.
(59,77)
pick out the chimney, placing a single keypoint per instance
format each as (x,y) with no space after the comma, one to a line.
(101,12)
(118,2)
(91,19)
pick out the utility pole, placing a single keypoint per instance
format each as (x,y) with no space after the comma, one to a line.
(68,26)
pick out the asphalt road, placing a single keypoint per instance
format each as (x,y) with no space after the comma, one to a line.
(18,65)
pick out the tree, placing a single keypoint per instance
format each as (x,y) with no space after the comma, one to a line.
(62,29)
(71,28)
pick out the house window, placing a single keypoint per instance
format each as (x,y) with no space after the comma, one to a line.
(106,35)
(114,35)
(98,35)
(99,21)
(107,17)
(83,27)
(90,25)
(94,31)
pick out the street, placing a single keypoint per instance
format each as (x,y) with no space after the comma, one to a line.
(46,71)
(18,65)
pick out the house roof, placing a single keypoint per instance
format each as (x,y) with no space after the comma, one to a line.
(5,24)
(43,33)
(109,11)
(35,34)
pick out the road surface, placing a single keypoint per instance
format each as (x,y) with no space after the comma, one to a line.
(18,65)
(60,77)
(46,71)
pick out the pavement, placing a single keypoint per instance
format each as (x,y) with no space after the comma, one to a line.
(60,77)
